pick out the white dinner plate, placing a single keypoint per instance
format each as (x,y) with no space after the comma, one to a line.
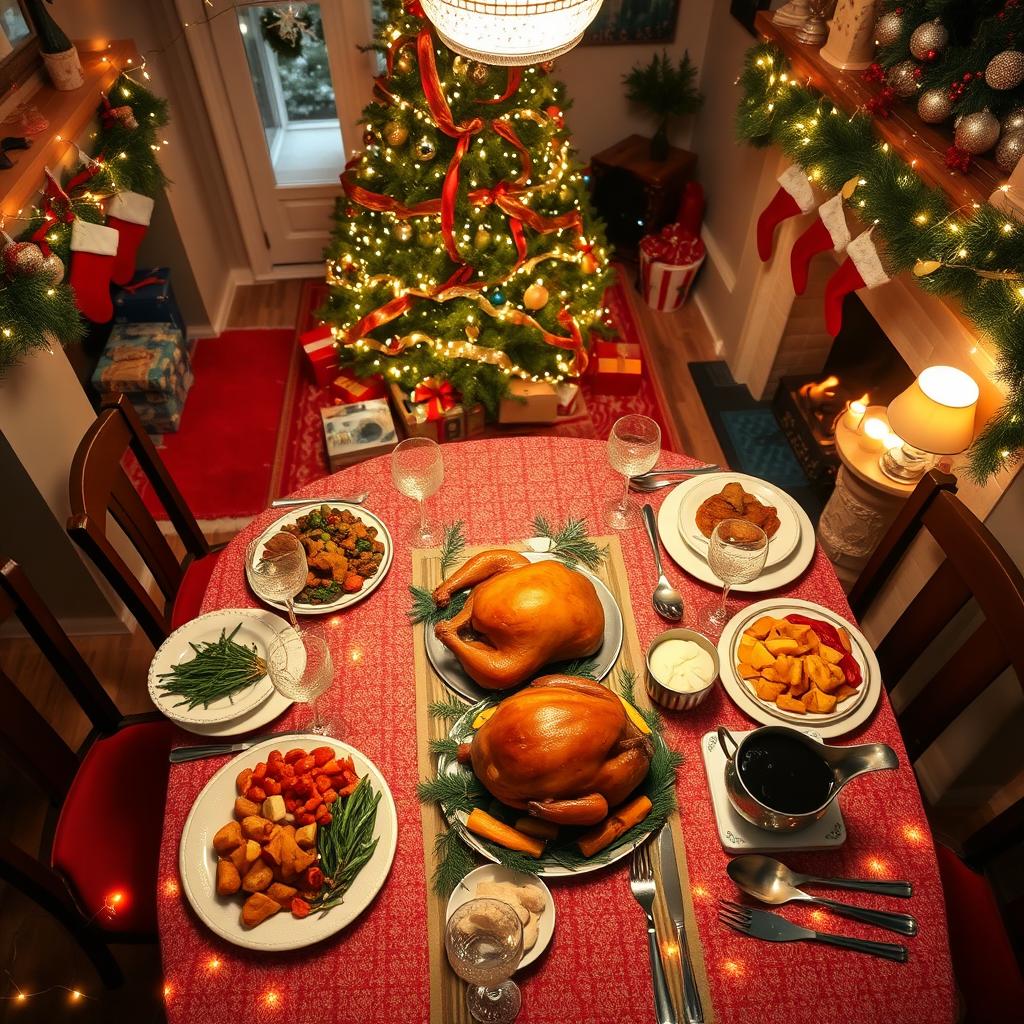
(841,721)
(464,892)
(455,677)
(197,861)
(787,536)
(258,628)
(697,565)
(346,600)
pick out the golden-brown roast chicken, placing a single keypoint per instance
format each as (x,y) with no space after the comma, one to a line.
(520,616)
(563,749)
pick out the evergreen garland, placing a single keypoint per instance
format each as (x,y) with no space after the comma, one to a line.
(974,256)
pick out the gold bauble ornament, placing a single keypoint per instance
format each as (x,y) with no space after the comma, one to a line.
(588,264)
(395,133)
(479,73)
(426,149)
(565,194)
(977,133)
(426,237)
(460,66)
(934,107)
(888,29)
(1014,121)
(929,40)
(405,62)
(402,231)
(901,79)
(535,297)
(1010,151)
(1005,70)
(482,238)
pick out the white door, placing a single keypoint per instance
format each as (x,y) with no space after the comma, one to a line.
(286,122)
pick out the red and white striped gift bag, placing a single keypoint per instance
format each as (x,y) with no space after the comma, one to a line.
(669,262)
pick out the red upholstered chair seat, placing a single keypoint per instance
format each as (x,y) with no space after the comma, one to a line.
(986,969)
(108,836)
(189,598)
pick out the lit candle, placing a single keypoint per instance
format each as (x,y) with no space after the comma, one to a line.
(854,415)
(873,434)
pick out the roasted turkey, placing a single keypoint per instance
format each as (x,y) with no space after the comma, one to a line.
(563,749)
(520,616)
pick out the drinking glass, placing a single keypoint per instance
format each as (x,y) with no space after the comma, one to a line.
(484,940)
(633,448)
(737,552)
(301,668)
(417,470)
(277,572)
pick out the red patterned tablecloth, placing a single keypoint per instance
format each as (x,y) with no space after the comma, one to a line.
(596,969)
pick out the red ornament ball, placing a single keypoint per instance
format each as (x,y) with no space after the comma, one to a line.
(21,259)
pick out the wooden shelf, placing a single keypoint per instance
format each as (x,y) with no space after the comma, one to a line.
(69,114)
(922,145)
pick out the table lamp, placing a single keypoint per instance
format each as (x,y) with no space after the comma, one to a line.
(934,416)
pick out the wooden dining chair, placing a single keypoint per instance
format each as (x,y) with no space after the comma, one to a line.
(975,566)
(100,486)
(96,871)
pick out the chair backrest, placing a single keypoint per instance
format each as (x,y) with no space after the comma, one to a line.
(975,566)
(100,485)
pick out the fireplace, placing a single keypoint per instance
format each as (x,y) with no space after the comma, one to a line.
(861,365)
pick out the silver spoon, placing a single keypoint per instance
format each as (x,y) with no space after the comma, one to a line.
(355,499)
(699,471)
(761,878)
(667,601)
(879,887)
(649,485)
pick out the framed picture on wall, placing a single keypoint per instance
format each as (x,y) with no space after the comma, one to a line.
(744,10)
(633,21)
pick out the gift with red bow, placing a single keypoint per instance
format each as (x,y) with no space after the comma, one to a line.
(432,399)
(321,351)
(669,262)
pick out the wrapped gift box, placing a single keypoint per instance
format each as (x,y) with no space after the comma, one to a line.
(529,402)
(321,352)
(616,376)
(669,262)
(346,388)
(149,364)
(358,431)
(568,398)
(617,349)
(455,423)
(148,299)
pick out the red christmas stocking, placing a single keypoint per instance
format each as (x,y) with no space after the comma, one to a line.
(861,269)
(93,249)
(128,214)
(829,231)
(794,197)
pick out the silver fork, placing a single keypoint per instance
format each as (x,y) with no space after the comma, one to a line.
(644,889)
(762,924)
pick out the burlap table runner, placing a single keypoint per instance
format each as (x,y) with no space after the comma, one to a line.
(447,990)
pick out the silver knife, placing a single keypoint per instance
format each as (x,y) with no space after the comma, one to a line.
(693,1009)
(181,754)
(352,499)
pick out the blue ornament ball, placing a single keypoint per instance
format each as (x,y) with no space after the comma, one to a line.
(497,297)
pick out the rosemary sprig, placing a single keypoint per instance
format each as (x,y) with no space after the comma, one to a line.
(346,844)
(449,710)
(424,610)
(220,669)
(452,546)
(570,543)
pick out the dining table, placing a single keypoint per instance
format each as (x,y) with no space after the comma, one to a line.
(596,968)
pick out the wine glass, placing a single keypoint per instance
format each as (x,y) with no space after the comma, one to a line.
(417,470)
(276,569)
(301,668)
(633,448)
(484,940)
(737,552)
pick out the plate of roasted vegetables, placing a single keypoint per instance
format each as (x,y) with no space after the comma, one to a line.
(288,843)
(348,554)
(563,777)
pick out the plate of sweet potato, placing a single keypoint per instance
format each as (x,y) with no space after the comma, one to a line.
(253,859)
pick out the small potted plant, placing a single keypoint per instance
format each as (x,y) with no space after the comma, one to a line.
(666,90)
(59,54)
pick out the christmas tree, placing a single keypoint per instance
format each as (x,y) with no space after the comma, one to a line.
(466,249)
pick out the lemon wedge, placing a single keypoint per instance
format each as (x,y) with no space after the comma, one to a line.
(635,717)
(483,716)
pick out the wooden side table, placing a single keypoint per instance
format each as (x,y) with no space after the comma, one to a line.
(862,507)
(634,194)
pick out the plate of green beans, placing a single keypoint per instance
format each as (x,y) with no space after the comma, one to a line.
(213,668)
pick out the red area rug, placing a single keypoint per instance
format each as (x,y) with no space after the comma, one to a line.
(251,429)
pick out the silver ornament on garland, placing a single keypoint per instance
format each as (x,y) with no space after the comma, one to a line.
(53,269)
(1014,121)
(934,107)
(402,231)
(1009,151)
(929,40)
(901,79)
(20,259)
(977,133)
(426,149)
(1005,70)
(888,29)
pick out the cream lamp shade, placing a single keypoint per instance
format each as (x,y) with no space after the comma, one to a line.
(511,32)
(936,413)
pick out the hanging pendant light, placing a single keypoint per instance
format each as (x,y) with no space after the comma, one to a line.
(516,32)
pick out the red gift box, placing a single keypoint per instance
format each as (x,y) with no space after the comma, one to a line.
(321,354)
(347,389)
(617,350)
(616,375)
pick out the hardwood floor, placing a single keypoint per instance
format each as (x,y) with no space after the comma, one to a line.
(35,953)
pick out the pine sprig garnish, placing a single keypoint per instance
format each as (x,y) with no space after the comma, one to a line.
(449,710)
(455,791)
(626,685)
(446,747)
(454,861)
(452,546)
(585,668)
(570,543)
(426,611)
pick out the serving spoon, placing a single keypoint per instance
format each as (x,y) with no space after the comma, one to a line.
(771,882)
(667,601)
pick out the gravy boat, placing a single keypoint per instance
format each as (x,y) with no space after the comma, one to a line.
(845,763)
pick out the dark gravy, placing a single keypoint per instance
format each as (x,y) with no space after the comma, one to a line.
(784,774)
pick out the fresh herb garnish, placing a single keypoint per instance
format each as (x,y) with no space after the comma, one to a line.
(452,546)
(425,610)
(570,544)
(346,844)
(220,669)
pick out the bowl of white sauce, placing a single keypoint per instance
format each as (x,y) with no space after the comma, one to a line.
(682,669)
